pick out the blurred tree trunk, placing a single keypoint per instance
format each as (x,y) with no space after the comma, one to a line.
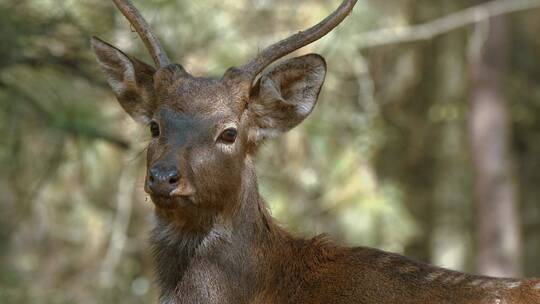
(406,82)
(525,72)
(407,155)
(495,191)
(418,175)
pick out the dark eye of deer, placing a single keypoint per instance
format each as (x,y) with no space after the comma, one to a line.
(229,135)
(154,129)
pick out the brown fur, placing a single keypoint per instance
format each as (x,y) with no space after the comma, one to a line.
(215,242)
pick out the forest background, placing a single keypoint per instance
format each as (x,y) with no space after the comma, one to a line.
(425,140)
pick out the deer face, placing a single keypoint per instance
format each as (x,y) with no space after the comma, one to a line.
(203,130)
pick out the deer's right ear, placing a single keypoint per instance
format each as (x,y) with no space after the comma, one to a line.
(131,80)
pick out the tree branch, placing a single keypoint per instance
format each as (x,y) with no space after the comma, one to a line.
(443,25)
(69,128)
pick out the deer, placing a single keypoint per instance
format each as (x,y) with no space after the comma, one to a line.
(213,238)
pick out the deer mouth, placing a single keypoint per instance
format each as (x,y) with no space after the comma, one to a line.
(181,195)
(172,202)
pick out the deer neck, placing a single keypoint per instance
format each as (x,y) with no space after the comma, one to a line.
(222,243)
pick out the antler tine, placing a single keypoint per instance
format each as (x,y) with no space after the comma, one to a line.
(143,29)
(298,40)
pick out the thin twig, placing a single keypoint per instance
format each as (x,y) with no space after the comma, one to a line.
(443,25)
(120,226)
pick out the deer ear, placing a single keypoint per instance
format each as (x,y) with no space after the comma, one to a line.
(131,80)
(284,96)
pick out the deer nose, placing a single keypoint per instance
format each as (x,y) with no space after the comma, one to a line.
(162,180)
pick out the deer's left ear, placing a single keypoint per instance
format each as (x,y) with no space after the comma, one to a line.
(284,96)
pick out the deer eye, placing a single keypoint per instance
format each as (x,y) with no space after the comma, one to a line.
(154,129)
(229,135)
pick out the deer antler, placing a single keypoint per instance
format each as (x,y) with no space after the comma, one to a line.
(298,40)
(145,32)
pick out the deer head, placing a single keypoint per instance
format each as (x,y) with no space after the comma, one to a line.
(204,130)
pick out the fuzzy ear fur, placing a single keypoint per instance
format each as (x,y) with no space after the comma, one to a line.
(130,79)
(284,96)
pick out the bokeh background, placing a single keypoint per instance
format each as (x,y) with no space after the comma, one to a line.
(425,141)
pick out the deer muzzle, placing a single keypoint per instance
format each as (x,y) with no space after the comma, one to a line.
(162,180)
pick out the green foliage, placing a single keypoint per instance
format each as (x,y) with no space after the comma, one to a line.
(381,162)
